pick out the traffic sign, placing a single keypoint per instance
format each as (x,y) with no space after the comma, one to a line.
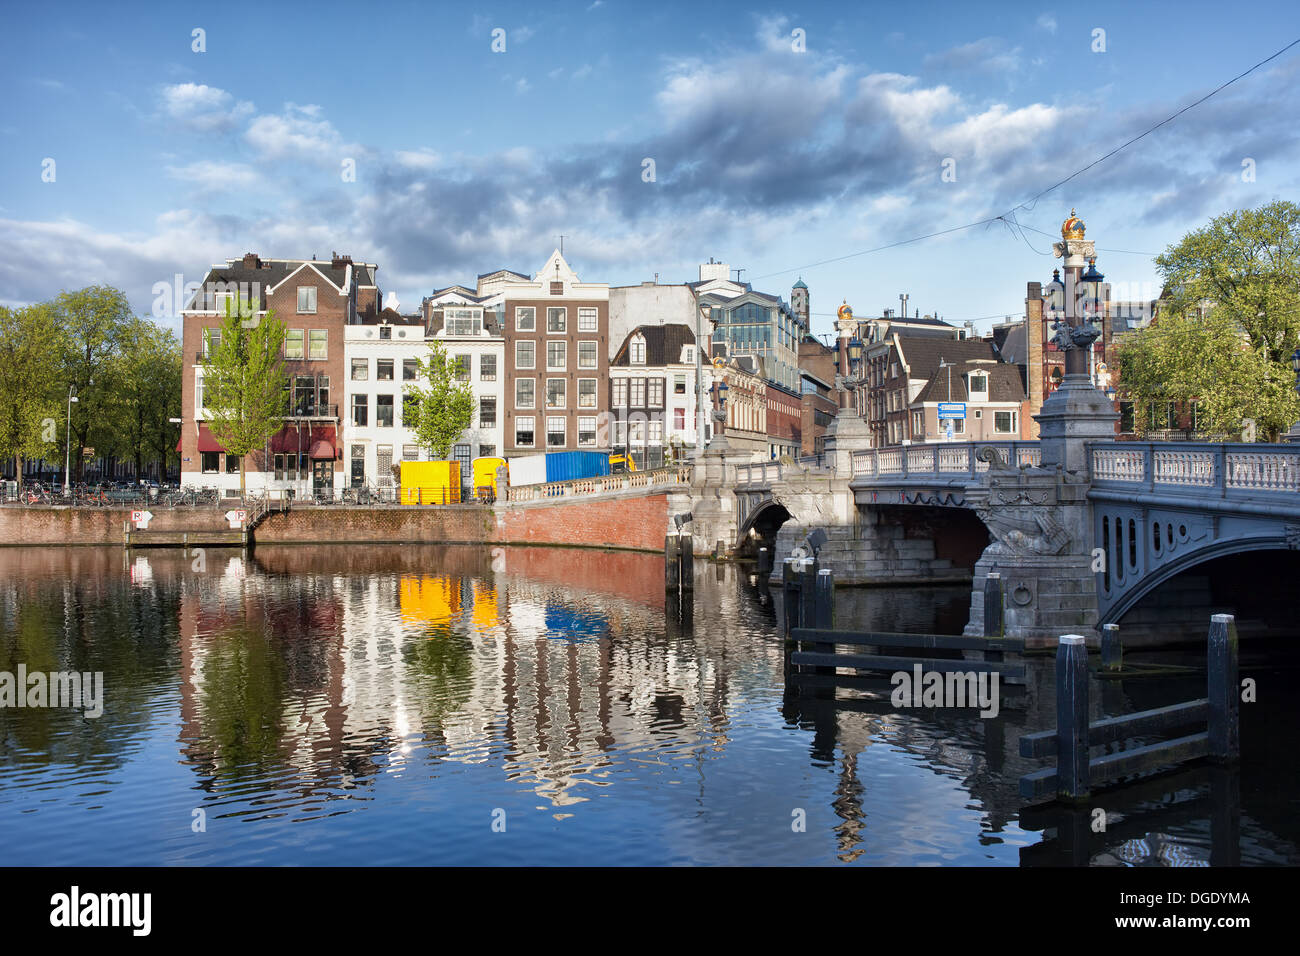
(952,410)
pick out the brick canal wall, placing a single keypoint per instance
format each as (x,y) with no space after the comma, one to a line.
(636,524)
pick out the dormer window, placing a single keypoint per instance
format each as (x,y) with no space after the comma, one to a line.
(385,331)
(636,351)
(463,321)
(978,383)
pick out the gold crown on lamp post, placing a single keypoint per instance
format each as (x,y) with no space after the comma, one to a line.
(1072,228)
(845,311)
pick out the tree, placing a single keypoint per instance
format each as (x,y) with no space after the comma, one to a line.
(148,389)
(438,413)
(245,388)
(30,419)
(94,320)
(1230,319)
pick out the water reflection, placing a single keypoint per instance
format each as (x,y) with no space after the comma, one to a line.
(381,704)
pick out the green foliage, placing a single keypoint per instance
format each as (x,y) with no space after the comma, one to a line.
(1230,319)
(31,392)
(148,392)
(245,387)
(439,413)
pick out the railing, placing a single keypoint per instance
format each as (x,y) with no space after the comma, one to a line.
(766,472)
(1197,468)
(314,411)
(604,484)
(942,459)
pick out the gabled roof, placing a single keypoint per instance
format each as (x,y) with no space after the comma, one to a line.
(273,272)
(922,353)
(508,272)
(1004,383)
(663,344)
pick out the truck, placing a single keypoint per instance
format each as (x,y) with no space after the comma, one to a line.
(557,466)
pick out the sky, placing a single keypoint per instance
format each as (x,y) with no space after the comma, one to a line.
(441,141)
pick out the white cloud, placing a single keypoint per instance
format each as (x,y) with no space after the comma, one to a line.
(297,134)
(202,107)
(423,158)
(522,85)
(214,175)
(1047,22)
(582,72)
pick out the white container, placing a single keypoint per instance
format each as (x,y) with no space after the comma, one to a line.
(527,470)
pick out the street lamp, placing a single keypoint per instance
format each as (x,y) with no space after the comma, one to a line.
(67,445)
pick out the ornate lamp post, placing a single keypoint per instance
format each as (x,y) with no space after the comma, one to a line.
(1075,333)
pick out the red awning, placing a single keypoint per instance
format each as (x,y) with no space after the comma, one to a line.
(290,440)
(178,443)
(322,450)
(206,440)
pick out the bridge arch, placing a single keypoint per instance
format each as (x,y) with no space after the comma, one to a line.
(765,519)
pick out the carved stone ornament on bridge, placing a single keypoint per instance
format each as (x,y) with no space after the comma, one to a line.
(1069,337)
(1020,507)
(1025,529)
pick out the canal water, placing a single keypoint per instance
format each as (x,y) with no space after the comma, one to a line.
(413,705)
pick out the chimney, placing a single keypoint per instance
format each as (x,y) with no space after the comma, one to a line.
(251,261)
(1035,342)
(339,260)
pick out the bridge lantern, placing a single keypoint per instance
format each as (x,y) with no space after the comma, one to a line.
(1055,296)
(1090,291)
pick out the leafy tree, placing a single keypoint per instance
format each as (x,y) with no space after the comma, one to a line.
(148,380)
(30,406)
(440,412)
(245,387)
(1230,319)
(94,320)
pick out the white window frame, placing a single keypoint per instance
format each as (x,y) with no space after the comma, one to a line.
(591,428)
(564,393)
(526,378)
(302,344)
(588,320)
(564,356)
(564,430)
(312,297)
(595,353)
(520,364)
(325,352)
(595,393)
(532,420)
(531,311)
(564,319)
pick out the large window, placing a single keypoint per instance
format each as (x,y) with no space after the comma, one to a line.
(679,384)
(410,369)
(295,343)
(487,368)
(462,368)
(586,355)
(304,395)
(555,432)
(979,383)
(384,411)
(656,393)
(556,355)
(487,412)
(232,464)
(526,354)
(679,419)
(586,393)
(360,369)
(620,392)
(526,318)
(211,342)
(587,320)
(383,370)
(211,463)
(525,393)
(360,410)
(462,321)
(524,432)
(316,345)
(638,393)
(1004,422)
(306,298)
(556,393)
(637,352)
(556,319)
(587,431)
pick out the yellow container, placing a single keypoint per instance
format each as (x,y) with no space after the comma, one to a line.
(485,476)
(430,482)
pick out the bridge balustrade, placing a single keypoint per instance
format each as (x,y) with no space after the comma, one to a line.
(1197,468)
(951,459)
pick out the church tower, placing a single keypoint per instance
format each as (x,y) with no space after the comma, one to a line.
(799,303)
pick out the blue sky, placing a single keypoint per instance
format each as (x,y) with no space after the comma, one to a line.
(768,158)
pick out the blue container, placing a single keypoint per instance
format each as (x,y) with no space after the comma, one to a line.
(572,465)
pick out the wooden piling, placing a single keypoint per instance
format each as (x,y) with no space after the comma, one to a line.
(1072,783)
(686,563)
(672,562)
(1112,649)
(824,600)
(993,626)
(764,561)
(790,596)
(1224,724)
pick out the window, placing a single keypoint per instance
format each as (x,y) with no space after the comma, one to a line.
(462,454)
(1004,421)
(526,319)
(525,354)
(360,369)
(555,392)
(487,412)
(462,368)
(555,432)
(487,368)
(306,298)
(587,431)
(679,419)
(556,320)
(556,355)
(586,393)
(487,451)
(410,369)
(557,288)
(211,463)
(525,393)
(524,432)
(586,355)
(383,412)
(979,383)
(232,464)
(384,464)
(360,410)
(410,453)
(656,393)
(304,395)
(958,426)
(636,433)
(637,351)
(385,331)
(462,321)
(410,410)
(358,465)
(588,320)
(198,391)
(294,344)
(679,384)
(211,341)
(656,431)
(620,392)
(383,370)
(638,393)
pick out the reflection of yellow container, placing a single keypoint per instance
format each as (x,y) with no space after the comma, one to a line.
(485,607)
(430,482)
(429,599)
(485,476)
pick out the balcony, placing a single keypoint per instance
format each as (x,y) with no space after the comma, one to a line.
(305,411)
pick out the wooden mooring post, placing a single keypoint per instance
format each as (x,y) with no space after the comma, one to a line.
(1112,649)
(679,563)
(1076,772)
(993,625)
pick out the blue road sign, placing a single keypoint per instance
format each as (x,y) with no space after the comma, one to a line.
(952,410)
